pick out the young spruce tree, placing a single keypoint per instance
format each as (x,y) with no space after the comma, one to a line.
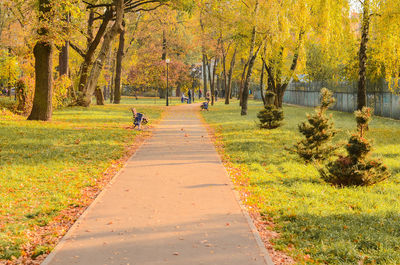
(270,117)
(357,168)
(318,131)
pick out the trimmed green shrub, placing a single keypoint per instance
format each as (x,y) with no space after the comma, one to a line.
(318,131)
(270,117)
(356,169)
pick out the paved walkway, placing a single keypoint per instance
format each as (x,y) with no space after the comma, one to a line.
(172,204)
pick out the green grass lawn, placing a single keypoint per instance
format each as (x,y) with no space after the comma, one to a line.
(318,223)
(45,166)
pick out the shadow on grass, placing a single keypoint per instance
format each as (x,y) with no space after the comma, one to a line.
(43,145)
(391,156)
(288,182)
(344,238)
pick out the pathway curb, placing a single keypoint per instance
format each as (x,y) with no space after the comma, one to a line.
(253,228)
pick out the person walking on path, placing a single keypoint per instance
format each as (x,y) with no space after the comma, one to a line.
(208,96)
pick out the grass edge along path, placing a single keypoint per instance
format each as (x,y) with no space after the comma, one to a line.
(37,238)
(316,223)
(240,182)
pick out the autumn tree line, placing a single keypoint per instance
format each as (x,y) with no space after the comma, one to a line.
(61,49)
(276,41)
(62,52)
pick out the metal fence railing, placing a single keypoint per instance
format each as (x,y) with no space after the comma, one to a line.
(385,104)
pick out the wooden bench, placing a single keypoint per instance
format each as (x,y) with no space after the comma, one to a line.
(138,119)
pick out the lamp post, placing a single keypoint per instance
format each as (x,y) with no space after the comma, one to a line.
(167,61)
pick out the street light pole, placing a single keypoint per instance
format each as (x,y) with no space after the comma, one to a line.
(167,61)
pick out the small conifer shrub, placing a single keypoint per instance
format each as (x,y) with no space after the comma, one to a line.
(270,117)
(318,131)
(357,168)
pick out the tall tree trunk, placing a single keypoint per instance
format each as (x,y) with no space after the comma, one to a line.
(63,66)
(164,46)
(240,95)
(218,90)
(209,75)
(251,61)
(20,92)
(178,90)
(262,84)
(85,98)
(112,81)
(90,36)
(63,60)
(246,86)
(216,61)
(224,73)
(162,92)
(362,86)
(280,92)
(271,80)
(99,96)
(63,63)
(43,52)
(120,56)
(262,77)
(228,91)
(89,55)
(212,79)
(205,59)
(112,90)
(205,75)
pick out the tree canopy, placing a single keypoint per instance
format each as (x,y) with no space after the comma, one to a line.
(235,42)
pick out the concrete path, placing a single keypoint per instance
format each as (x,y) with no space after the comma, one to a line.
(172,204)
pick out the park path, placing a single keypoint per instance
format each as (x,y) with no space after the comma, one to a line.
(172,204)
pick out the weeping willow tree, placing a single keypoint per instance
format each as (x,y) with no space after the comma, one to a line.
(384,49)
(318,22)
